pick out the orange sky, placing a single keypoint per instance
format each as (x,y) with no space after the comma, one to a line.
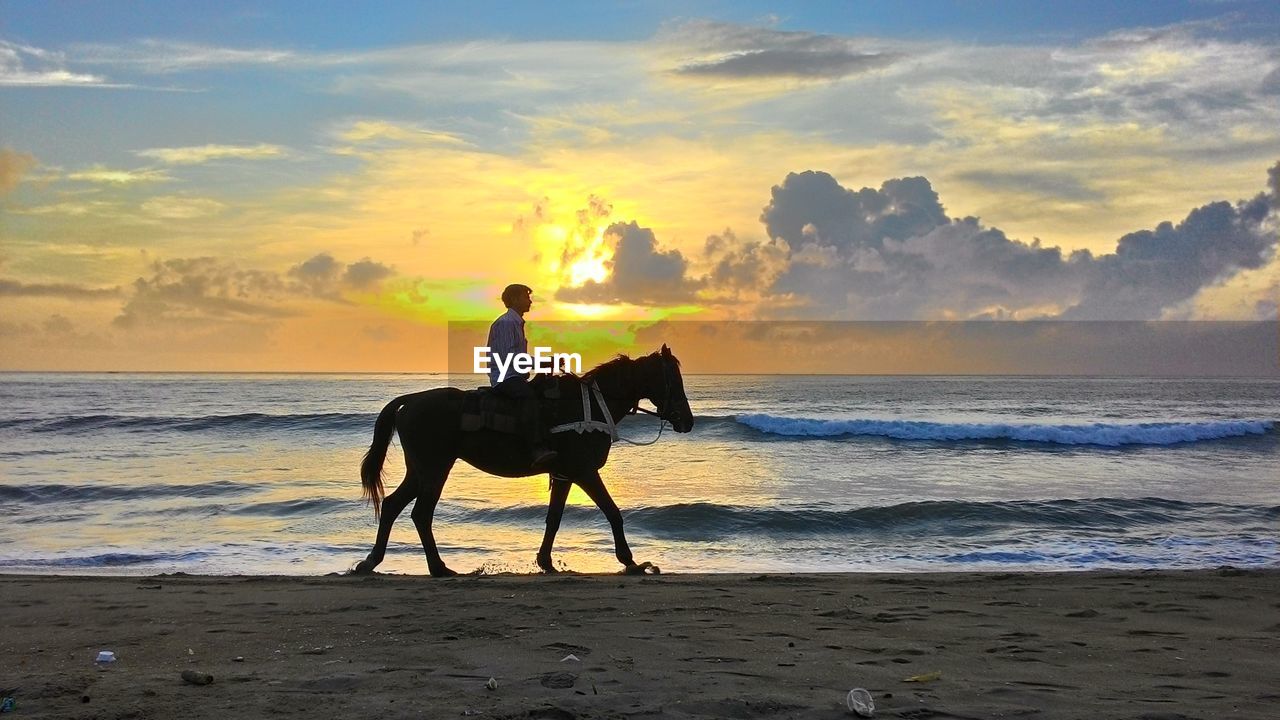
(249,201)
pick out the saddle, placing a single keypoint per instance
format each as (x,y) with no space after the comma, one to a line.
(487,408)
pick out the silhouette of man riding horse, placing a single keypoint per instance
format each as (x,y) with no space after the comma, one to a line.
(437,427)
(506,340)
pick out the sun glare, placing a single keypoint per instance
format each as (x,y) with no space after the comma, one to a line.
(574,256)
(587,268)
(587,311)
(588,261)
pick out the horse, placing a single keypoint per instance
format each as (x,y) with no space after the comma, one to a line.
(428,423)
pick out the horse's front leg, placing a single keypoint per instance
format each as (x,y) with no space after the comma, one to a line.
(594,487)
(555,511)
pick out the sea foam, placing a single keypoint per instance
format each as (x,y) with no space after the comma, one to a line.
(1107,434)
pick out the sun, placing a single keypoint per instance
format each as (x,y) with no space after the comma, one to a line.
(574,255)
(589,258)
(573,250)
(587,268)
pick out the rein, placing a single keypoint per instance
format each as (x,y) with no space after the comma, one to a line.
(662,425)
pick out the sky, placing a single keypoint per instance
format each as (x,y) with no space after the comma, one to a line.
(325,186)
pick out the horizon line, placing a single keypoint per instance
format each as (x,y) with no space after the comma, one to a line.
(1228,376)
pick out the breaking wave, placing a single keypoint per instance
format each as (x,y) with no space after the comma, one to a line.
(1105,434)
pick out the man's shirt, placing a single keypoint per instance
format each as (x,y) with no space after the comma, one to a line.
(506,338)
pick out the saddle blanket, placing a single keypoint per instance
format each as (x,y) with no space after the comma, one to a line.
(485,408)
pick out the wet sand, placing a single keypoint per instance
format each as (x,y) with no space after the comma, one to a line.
(1203,644)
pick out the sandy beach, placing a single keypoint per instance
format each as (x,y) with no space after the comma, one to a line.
(1200,644)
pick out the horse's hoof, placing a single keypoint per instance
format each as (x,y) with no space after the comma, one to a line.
(546,566)
(443,572)
(364,567)
(641,569)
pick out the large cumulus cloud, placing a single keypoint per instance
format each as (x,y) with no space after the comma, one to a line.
(1155,269)
(893,253)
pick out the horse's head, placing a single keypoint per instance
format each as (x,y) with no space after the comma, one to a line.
(664,387)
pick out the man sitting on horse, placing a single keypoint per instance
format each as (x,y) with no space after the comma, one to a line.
(506,338)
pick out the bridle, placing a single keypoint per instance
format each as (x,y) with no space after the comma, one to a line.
(661,414)
(663,408)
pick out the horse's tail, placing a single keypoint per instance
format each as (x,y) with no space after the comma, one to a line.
(371,466)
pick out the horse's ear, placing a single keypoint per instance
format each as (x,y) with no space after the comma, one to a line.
(666,351)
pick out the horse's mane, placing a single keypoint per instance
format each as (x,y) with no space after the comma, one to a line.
(619,361)
(607,367)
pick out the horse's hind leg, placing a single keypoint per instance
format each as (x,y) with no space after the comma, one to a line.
(431,480)
(392,506)
(595,489)
(555,511)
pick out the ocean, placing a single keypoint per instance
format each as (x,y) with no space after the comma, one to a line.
(258,474)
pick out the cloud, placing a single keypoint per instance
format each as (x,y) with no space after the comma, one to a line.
(364,131)
(827,64)
(175,207)
(66,291)
(1184,79)
(102,174)
(319,269)
(213,289)
(325,277)
(639,273)
(13,165)
(195,155)
(1047,184)
(162,56)
(738,267)
(497,71)
(73,208)
(743,52)
(1155,269)
(23,65)
(201,288)
(892,253)
(366,274)
(1270,84)
(811,207)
